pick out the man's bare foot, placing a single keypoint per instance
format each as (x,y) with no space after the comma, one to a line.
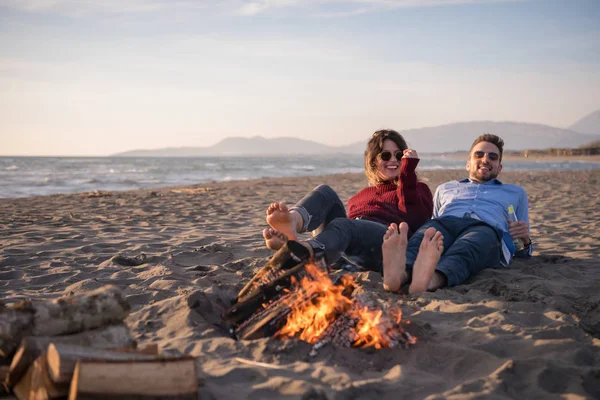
(287,222)
(394,256)
(274,239)
(430,252)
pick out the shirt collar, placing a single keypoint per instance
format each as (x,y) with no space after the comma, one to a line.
(492,182)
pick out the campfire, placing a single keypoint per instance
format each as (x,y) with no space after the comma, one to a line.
(297,299)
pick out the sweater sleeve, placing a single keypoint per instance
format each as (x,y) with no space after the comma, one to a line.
(414,197)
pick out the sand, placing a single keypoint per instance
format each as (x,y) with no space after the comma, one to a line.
(528,331)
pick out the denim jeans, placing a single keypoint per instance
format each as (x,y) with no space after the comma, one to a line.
(334,233)
(470,245)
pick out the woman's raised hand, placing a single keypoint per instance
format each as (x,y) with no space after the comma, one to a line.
(410,153)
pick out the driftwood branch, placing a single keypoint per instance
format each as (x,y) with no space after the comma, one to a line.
(158,379)
(114,336)
(63,357)
(103,306)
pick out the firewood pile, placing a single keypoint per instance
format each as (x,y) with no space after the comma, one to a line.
(78,347)
(292,297)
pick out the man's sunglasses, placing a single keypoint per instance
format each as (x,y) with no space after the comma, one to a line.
(492,156)
(387,155)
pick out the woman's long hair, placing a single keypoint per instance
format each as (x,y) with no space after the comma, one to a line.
(374,147)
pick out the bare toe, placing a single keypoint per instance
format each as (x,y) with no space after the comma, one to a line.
(391,230)
(274,240)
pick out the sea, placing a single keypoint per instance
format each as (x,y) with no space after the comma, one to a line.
(40,176)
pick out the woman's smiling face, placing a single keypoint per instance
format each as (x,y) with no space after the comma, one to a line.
(388,170)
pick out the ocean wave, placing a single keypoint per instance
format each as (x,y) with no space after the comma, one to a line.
(48,175)
(303,167)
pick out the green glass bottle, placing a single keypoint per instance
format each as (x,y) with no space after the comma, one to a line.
(518,242)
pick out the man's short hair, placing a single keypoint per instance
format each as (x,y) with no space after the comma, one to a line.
(490,138)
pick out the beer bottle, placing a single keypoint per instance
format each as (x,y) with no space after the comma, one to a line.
(518,242)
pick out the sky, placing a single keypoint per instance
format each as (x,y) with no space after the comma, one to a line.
(97,77)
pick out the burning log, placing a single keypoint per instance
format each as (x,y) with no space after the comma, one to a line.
(290,256)
(272,318)
(287,266)
(366,324)
(292,298)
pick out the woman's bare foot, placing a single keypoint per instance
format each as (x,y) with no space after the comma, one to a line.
(287,222)
(274,239)
(430,252)
(394,256)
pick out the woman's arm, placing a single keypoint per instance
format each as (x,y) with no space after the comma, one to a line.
(414,197)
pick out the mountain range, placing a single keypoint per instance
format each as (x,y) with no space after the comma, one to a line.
(439,139)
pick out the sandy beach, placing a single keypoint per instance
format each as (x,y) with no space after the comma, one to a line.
(528,331)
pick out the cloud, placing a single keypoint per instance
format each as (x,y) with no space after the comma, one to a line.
(242,7)
(350,7)
(85,7)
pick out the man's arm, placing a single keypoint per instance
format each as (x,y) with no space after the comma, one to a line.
(520,229)
(436,203)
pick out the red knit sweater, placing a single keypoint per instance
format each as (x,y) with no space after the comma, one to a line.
(410,201)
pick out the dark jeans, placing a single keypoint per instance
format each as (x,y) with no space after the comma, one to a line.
(324,214)
(470,245)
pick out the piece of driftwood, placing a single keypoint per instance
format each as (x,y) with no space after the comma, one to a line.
(113,336)
(22,388)
(157,379)
(42,387)
(150,349)
(63,357)
(14,323)
(100,307)
(3,374)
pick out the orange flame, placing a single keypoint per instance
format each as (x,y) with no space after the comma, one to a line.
(309,319)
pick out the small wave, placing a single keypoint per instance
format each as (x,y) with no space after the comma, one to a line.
(303,167)
(87,180)
(11,167)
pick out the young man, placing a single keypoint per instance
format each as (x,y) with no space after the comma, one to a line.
(470,229)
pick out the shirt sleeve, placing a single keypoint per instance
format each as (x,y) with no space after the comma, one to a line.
(414,197)
(437,203)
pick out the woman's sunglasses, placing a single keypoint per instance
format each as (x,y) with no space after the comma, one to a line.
(387,155)
(491,156)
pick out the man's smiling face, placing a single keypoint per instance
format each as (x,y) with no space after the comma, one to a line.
(484,163)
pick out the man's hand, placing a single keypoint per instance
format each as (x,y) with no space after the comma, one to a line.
(519,230)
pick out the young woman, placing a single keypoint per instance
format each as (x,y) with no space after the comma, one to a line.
(394,195)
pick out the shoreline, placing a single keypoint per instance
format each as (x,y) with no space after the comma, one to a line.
(421,172)
(531,330)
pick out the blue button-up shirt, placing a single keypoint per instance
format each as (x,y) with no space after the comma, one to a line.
(487,201)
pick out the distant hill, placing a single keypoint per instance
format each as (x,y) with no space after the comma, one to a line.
(439,139)
(459,136)
(259,145)
(589,124)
